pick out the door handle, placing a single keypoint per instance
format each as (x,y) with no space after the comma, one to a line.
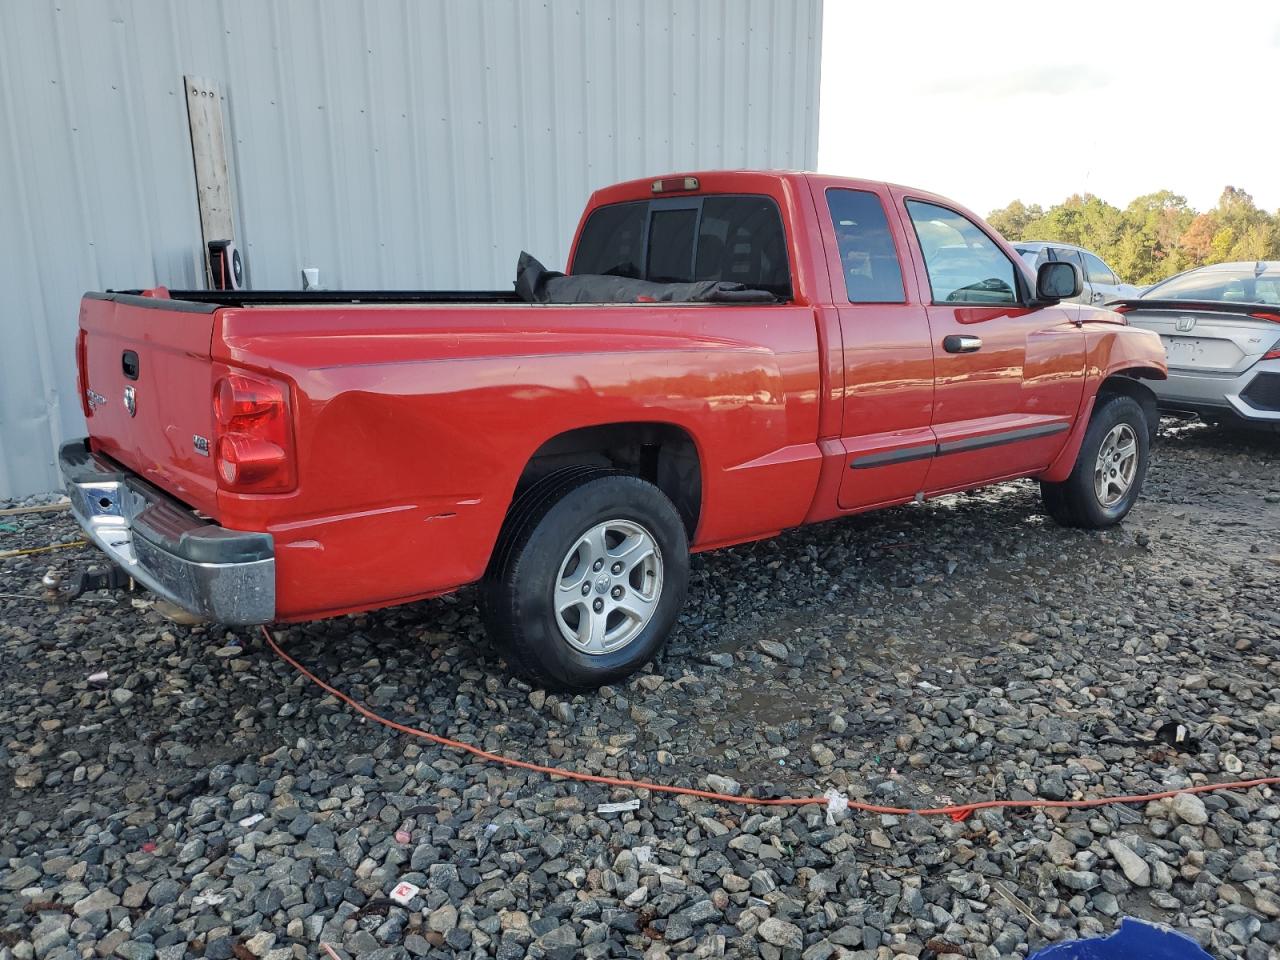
(958,343)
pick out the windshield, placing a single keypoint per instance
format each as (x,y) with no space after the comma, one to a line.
(1244,285)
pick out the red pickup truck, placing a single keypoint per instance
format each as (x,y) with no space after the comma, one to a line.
(261,456)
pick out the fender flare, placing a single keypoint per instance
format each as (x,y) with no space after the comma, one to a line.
(1123,382)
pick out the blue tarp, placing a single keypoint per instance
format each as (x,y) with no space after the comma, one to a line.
(1134,940)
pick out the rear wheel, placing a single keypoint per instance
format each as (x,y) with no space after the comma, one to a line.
(1109,470)
(588,578)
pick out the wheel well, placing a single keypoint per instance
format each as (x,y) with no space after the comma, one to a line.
(661,453)
(1126,384)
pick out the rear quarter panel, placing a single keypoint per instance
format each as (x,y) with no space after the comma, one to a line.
(413,425)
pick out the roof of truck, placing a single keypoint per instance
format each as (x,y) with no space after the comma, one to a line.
(744,180)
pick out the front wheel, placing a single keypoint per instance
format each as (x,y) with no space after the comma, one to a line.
(588,578)
(1109,470)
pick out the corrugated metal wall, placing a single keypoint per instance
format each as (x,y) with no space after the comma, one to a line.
(390,144)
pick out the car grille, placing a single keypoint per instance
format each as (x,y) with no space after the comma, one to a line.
(1263,393)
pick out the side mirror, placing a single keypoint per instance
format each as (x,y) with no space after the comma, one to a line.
(1058,280)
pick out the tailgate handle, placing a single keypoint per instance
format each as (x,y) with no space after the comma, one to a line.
(129,363)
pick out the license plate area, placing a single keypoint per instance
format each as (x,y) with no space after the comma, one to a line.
(1201,352)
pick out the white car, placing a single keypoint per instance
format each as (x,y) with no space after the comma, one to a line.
(1221,331)
(1100,282)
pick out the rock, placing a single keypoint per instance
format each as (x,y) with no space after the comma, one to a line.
(21,877)
(121,697)
(48,936)
(135,950)
(99,901)
(1135,869)
(774,649)
(1081,880)
(726,785)
(1061,850)
(1053,787)
(1267,903)
(261,943)
(163,892)
(822,756)
(443,919)
(1189,808)
(780,933)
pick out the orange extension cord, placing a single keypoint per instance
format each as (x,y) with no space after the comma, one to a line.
(955,812)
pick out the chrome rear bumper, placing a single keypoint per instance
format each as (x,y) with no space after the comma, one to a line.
(227,576)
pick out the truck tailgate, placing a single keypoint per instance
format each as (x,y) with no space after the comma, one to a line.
(147,379)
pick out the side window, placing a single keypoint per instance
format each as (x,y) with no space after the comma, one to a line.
(963,263)
(1097,271)
(1033,258)
(1073,256)
(867,254)
(612,241)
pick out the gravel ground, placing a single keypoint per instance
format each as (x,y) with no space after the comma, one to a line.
(204,800)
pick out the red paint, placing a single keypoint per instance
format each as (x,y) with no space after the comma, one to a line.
(411,424)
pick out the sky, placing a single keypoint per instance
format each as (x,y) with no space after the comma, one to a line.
(988,102)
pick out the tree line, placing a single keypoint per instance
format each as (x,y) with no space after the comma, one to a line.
(1155,236)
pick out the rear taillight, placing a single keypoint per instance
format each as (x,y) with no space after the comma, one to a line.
(82,372)
(254,452)
(1274,317)
(1123,308)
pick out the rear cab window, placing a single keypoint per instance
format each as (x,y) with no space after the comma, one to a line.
(733,238)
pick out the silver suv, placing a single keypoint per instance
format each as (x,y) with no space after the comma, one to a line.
(1100,282)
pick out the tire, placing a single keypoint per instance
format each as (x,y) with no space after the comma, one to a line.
(1082,500)
(531,599)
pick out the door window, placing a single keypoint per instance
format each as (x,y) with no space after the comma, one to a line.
(963,263)
(867,254)
(1097,271)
